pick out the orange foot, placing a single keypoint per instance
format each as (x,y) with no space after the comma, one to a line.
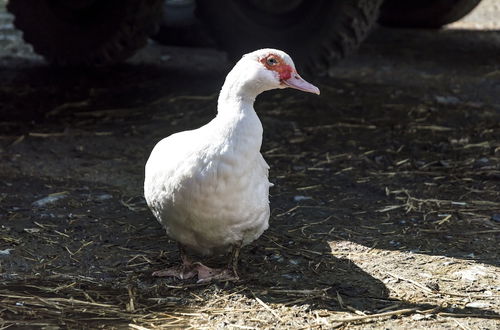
(182,272)
(207,274)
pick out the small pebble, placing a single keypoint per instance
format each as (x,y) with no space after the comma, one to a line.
(419,163)
(5,252)
(49,199)
(276,257)
(444,163)
(481,162)
(299,198)
(447,100)
(496,217)
(379,160)
(104,197)
(165,58)
(293,277)
(47,216)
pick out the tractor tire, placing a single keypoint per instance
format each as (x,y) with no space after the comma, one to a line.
(86,32)
(431,14)
(315,33)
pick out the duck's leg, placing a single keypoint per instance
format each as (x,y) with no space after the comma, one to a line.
(233,262)
(228,273)
(184,271)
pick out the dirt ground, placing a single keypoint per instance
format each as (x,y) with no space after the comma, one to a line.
(385,210)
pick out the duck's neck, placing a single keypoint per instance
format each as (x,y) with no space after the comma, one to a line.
(236,116)
(238,93)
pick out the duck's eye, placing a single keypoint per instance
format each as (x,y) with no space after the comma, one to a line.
(272,61)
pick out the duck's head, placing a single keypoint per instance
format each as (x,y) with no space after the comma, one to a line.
(267,69)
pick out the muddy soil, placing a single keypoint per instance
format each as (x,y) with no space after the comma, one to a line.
(385,210)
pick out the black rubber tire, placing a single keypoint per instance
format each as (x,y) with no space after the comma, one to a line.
(316,34)
(101,33)
(185,36)
(431,14)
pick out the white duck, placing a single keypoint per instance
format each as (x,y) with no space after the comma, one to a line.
(209,187)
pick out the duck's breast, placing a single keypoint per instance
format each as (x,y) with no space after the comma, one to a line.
(225,203)
(212,192)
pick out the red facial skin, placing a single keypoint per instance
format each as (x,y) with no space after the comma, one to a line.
(284,70)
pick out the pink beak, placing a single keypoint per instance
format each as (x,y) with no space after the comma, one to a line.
(296,81)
